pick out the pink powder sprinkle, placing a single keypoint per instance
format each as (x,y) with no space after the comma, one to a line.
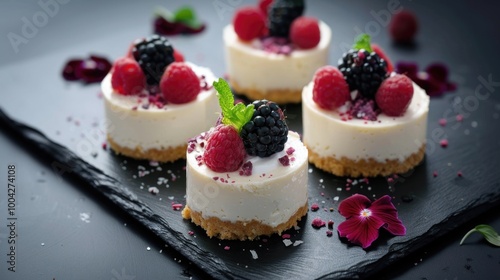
(318,223)
(215,178)
(435,174)
(366,180)
(348,189)
(177,206)
(460,174)
(227,248)
(191,232)
(329,233)
(459,118)
(284,160)
(290,151)
(322,194)
(442,122)
(390,180)
(285,236)
(443,143)
(314,207)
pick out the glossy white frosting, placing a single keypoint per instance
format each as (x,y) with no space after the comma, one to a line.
(159,128)
(254,68)
(271,195)
(325,133)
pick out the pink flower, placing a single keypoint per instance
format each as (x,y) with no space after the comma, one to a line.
(364,219)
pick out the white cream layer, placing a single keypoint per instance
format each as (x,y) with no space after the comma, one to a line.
(254,68)
(271,195)
(325,133)
(158,128)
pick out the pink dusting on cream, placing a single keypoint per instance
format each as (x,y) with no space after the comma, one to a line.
(284,160)
(290,151)
(246,169)
(318,223)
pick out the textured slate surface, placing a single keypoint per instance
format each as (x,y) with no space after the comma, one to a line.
(71,119)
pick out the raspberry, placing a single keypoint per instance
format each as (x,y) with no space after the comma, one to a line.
(249,23)
(264,6)
(304,32)
(378,50)
(179,84)
(330,89)
(267,132)
(127,77)
(403,27)
(178,57)
(224,151)
(394,95)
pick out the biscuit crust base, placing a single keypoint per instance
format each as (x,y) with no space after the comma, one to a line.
(365,168)
(280,96)
(169,154)
(239,230)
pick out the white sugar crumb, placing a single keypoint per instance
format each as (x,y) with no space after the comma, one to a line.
(339,189)
(287,242)
(153,190)
(148,248)
(254,254)
(321,180)
(310,170)
(85,217)
(296,227)
(153,163)
(297,242)
(140,167)
(473,124)
(43,244)
(171,198)
(336,198)
(369,188)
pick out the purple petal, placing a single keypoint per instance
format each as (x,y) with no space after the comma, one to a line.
(437,71)
(384,210)
(69,70)
(361,231)
(352,206)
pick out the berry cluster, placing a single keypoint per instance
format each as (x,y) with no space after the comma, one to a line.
(153,65)
(366,71)
(258,129)
(277,19)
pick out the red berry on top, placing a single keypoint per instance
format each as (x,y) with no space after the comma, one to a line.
(179,84)
(264,6)
(378,50)
(394,95)
(224,151)
(249,23)
(178,56)
(403,27)
(127,77)
(305,33)
(330,89)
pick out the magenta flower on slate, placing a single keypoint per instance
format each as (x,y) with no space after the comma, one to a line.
(364,219)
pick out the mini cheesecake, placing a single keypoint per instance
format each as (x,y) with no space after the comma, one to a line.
(259,74)
(140,128)
(357,147)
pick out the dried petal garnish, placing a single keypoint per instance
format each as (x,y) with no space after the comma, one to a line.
(434,80)
(364,219)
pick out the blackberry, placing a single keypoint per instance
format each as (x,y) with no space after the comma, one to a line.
(153,54)
(266,133)
(281,15)
(363,71)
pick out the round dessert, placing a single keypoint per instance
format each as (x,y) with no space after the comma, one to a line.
(237,191)
(361,133)
(269,63)
(154,120)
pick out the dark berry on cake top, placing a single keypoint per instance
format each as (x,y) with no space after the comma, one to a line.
(281,14)
(267,132)
(363,69)
(153,54)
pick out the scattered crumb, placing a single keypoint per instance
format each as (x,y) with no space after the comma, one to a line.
(254,254)
(153,190)
(227,248)
(314,207)
(285,236)
(329,233)
(318,223)
(287,242)
(443,143)
(297,242)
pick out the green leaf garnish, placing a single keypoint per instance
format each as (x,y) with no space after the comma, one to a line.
(236,115)
(363,42)
(184,15)
(487,231)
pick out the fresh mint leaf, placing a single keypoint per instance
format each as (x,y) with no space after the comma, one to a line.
(187,16)
(487,231)
(236,115)
(363,42)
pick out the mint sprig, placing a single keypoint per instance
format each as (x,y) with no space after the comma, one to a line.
(487,231)
(184,15)
(236,115)
(363,42)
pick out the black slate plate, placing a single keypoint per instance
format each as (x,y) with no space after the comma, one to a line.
(71,117)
